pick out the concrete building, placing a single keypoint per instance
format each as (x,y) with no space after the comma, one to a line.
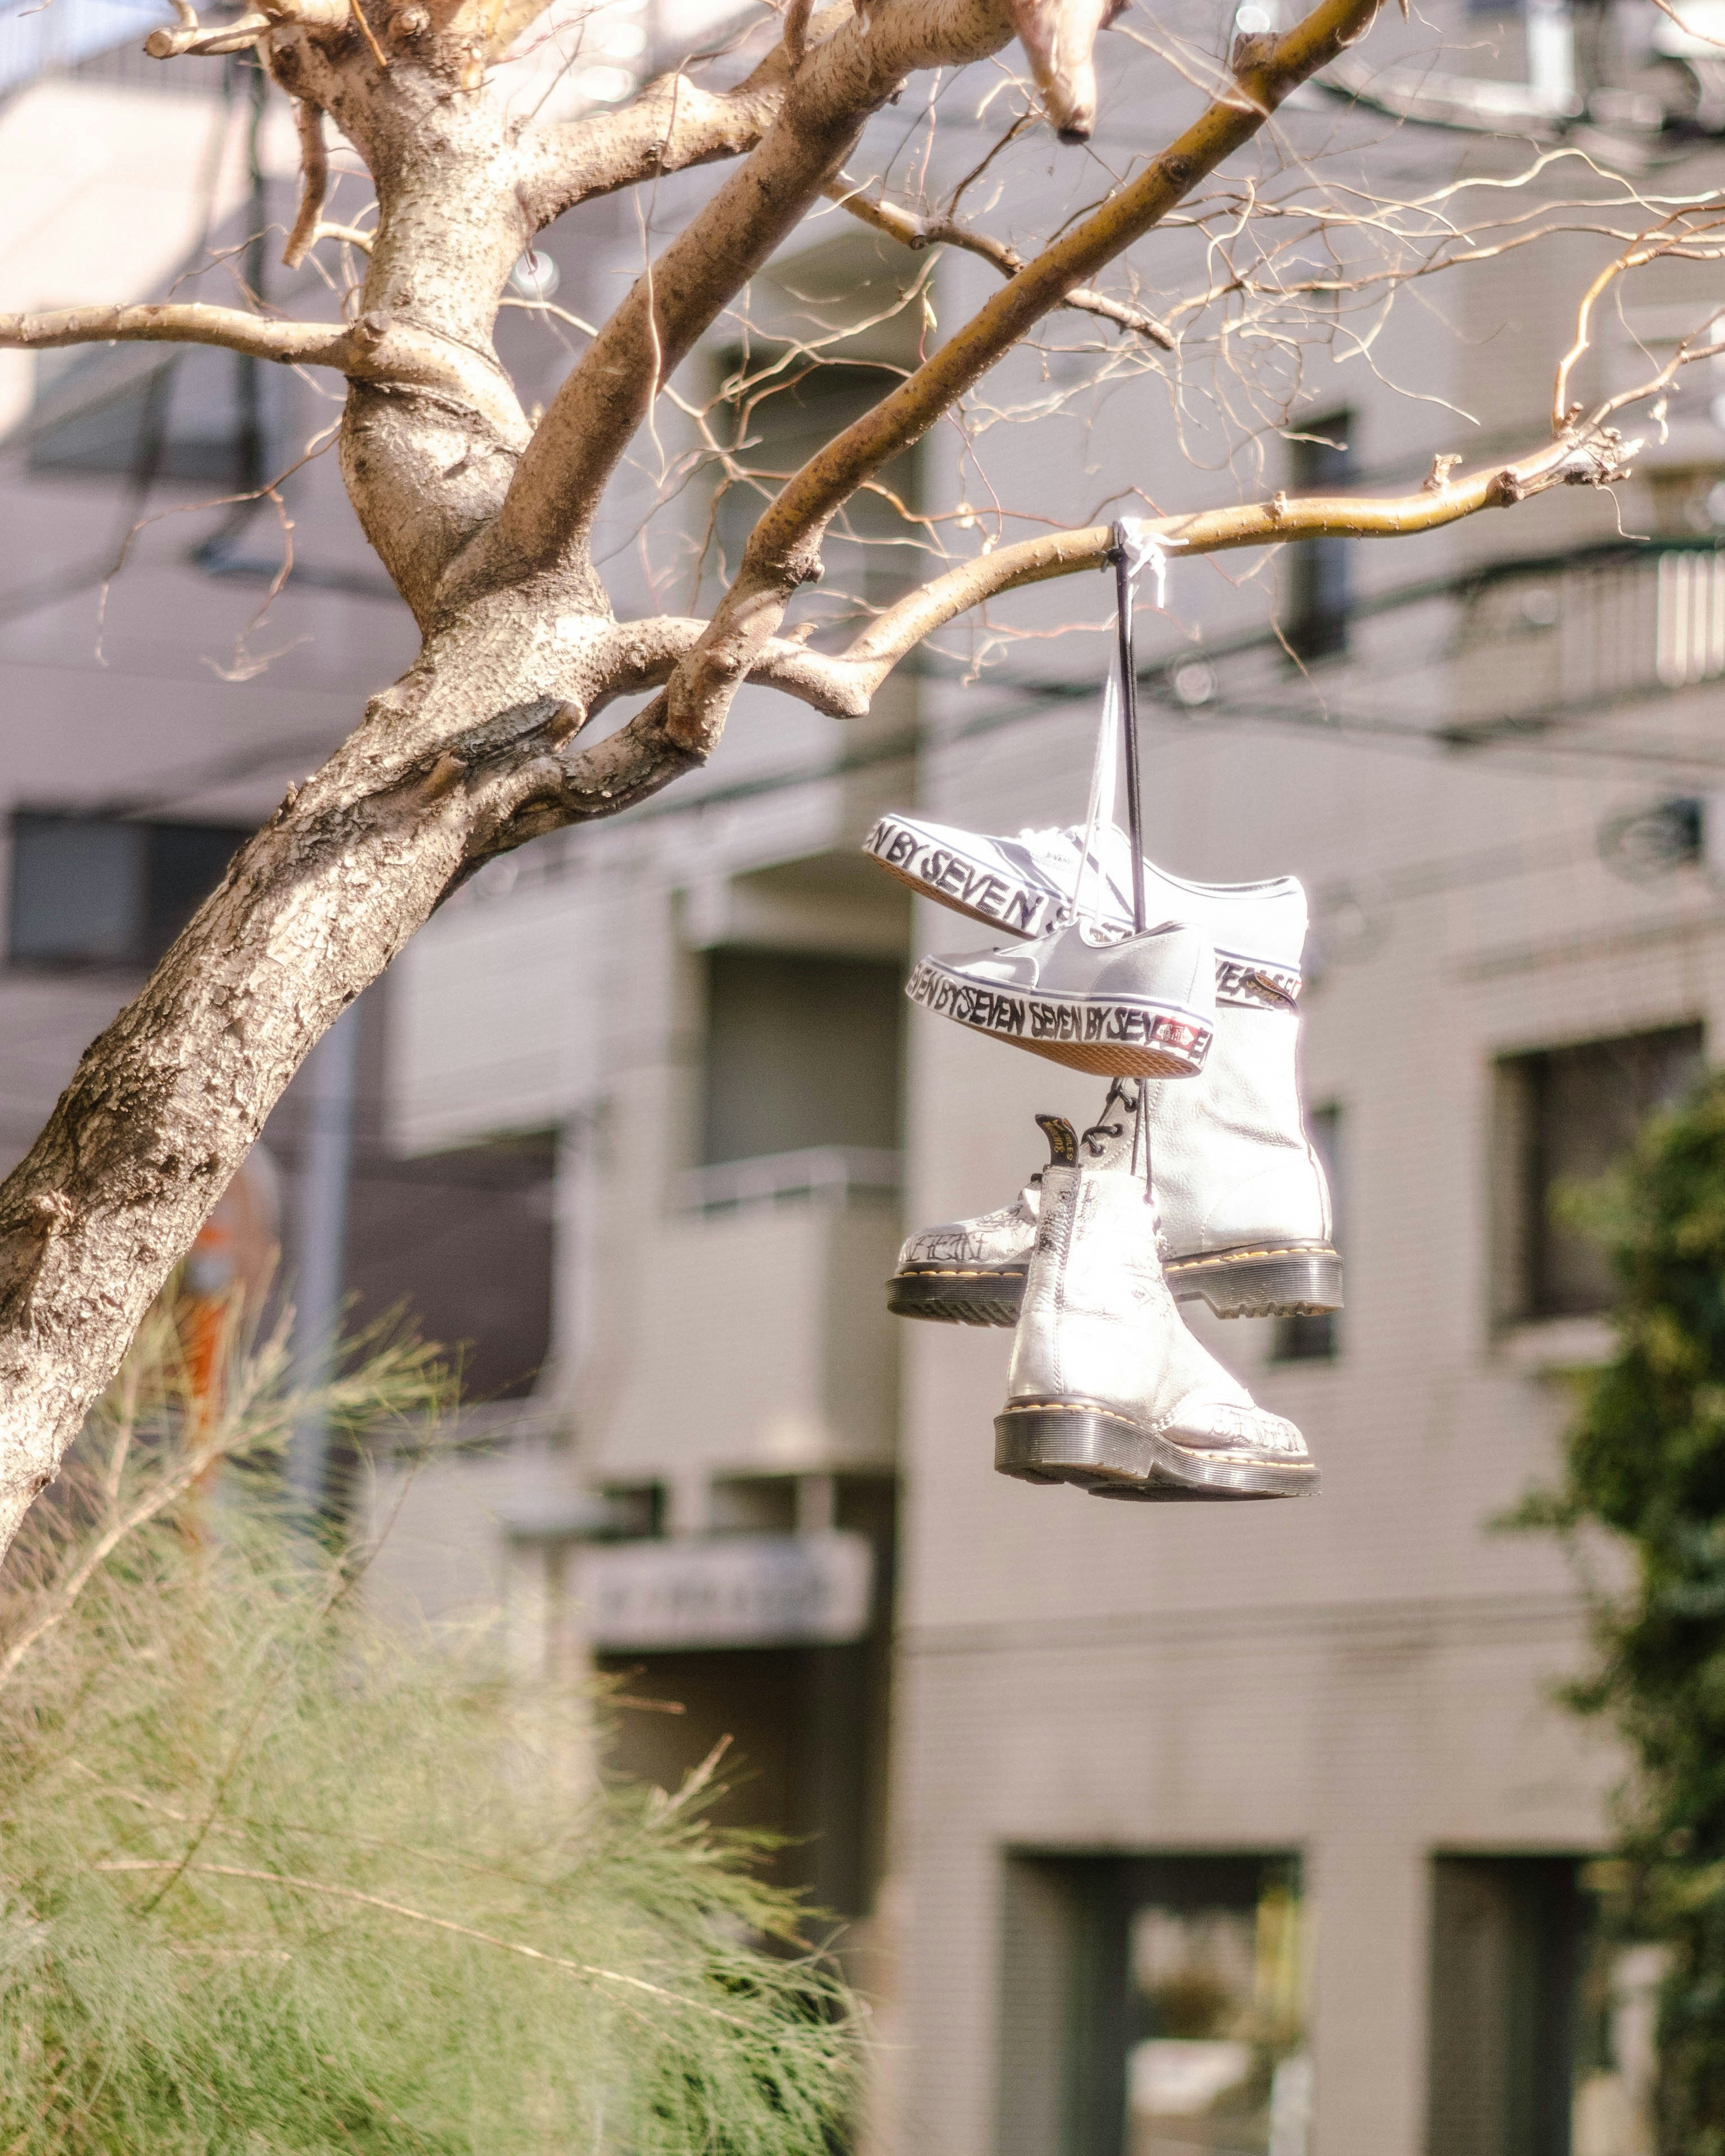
(1158,1831)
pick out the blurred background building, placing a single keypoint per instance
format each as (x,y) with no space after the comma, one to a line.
(1152,1831)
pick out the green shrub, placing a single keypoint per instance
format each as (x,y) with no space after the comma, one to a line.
(1645,1459)
(275,1875)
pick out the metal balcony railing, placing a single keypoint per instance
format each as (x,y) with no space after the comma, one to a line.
(822,1171)
(1638,624)
(1691,630)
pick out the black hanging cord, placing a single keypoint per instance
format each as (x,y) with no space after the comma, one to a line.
(1120,555)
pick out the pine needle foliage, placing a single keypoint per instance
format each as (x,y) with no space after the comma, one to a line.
(277,1877)
(1645,1459)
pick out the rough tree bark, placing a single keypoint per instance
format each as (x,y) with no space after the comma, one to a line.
(483,521)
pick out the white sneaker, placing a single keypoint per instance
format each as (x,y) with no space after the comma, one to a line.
(1107,1389)
(1027,885)
(1133,1006)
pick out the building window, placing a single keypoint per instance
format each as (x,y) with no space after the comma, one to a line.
(802,1050)
(1153,2006)
(1321,461)
(1318,1338)
(464,1242)
(100,890)
(1541,2023)
(870,553)
(1564,1116)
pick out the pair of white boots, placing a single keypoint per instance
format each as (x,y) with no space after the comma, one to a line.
(1202,1185)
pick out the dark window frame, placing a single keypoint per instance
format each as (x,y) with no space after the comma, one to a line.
(1507,1938)
(748,1077)
(172,866)
(1070,2011)
(1544,1270)
(1320,599)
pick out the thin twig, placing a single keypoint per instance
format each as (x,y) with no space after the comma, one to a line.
(590,1969)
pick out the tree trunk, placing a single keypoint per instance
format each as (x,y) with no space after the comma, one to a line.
(166,1104)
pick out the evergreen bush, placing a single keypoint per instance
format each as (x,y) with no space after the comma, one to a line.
(1645,1459)
(276,1875)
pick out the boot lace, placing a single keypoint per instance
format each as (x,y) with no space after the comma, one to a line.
(1126,1098)
(1130,1100)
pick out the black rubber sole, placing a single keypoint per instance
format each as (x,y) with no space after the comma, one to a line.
(1081,1442)
(958,1295)
(1303,1282)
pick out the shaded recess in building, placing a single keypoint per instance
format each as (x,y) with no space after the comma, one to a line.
(1509,1936)
(807,1759)
(1152,2005)
(1563,1117)
(460,1242)
(802,1050)
(1319,594)
(107,890)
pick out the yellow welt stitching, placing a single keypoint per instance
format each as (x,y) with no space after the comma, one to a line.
(1244,1257)
(1071,1407)
(959,1272)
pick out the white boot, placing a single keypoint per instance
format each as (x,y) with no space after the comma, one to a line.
(1140,1006)
(1107,1387)
(1217,1247)
(1240,1193)
(969,1272)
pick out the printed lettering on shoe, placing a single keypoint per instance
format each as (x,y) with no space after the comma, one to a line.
(1141,1006)
(1027,886)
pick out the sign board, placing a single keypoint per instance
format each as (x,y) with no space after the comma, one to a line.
(726,1591)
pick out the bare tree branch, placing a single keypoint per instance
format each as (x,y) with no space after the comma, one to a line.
(842,684)
(919,232)
(551,502)
(314,182)
(374,349)
(784,549)
(671,125)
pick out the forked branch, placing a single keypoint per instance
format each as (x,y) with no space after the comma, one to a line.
(606,397)
(672,124)
(917,233)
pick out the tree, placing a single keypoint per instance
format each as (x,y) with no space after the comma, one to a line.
(1645,1461)
(484,521)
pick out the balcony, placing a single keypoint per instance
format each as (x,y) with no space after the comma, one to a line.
(1561,641)
(763,1343)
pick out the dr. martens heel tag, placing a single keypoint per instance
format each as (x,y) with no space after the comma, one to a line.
(1062,1141)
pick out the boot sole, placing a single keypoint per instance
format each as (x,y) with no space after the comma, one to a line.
(1277,1280)
(1108,1454)
(958,1295)
(1302,1280)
